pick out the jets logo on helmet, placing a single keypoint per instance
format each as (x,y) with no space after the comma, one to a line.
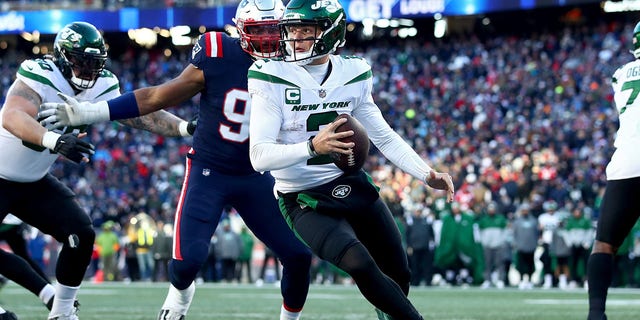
(70,35)
(325,17)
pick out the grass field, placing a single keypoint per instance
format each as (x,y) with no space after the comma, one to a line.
(115,301)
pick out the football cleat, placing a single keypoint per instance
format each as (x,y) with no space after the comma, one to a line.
(166,314)
(70,316)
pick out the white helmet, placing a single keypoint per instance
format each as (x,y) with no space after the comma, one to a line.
(257,24)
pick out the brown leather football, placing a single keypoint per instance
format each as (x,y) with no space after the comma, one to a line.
(355,161)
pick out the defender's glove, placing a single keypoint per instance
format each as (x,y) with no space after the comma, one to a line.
(71,112)
(68,145)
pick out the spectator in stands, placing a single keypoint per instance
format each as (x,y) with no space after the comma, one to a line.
(245,259)
(548,222)
(493,227)
(162,251)
(420,245)
(228,249)
(459,254)
(525,242)
(580,234)
(108,246)
(270,260)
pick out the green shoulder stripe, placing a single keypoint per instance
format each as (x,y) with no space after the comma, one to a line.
(113,87)
(269,78)
(364,76)
(36,77)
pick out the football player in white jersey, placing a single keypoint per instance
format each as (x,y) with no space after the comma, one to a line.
(292,101)
(28,149)
(620,208)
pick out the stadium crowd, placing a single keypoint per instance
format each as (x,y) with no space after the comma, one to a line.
(522,123)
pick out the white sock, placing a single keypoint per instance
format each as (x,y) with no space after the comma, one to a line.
(63,300)
(179,300)
(288,315)
(47,293)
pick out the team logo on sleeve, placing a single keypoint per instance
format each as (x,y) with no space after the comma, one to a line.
(292,96)
(195,50)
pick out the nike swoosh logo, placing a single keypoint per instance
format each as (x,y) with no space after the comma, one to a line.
(30,68)
(259,66)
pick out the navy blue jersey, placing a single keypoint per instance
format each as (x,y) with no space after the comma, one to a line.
(221,139)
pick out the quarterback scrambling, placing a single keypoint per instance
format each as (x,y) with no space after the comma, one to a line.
(339,215)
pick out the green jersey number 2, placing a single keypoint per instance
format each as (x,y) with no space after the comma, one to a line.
(314,122)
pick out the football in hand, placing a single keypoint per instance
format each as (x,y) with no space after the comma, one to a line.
(354,161)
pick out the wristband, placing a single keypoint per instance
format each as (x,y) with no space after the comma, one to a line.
(123,107)
(310,148)
(49,139)
(182,128)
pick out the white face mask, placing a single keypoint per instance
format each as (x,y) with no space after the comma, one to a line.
(81,84)
(300,58)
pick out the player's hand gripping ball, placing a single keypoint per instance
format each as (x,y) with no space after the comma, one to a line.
(354,161)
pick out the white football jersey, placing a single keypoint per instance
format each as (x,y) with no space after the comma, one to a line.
(548,223)
(304,106)
(23,162)
(626,87)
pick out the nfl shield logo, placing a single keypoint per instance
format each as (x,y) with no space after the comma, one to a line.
(322,93)
(206,172)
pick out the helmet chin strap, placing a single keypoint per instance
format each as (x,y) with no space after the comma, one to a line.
(79,83)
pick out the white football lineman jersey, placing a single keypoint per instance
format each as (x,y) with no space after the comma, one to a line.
(23,162)
(304,106)
(626,87)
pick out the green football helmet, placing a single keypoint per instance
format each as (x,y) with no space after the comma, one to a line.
(80,53)
(636,41)
(325,17)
